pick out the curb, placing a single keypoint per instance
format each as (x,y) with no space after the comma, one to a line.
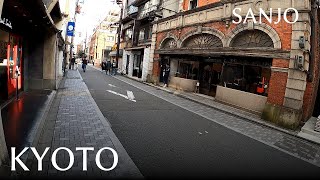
(265,124)
(38,131)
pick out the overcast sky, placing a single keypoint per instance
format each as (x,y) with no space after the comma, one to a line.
(93,11)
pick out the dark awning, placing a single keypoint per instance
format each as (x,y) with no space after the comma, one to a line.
(228,51)
(28,16)
(114,53)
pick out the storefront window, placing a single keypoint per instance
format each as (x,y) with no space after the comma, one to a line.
(128,34)
(248,78)
(4,38)
(149,33)
(141,34)
(188,70)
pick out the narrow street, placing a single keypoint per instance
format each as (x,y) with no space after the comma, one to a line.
(166,140)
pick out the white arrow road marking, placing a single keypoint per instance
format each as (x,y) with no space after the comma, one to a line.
(130,95)
(124,96)
(111,85)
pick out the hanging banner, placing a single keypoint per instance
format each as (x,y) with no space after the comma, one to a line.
(70,29)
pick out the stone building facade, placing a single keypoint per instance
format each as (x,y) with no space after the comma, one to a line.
(31,41)
(268,68)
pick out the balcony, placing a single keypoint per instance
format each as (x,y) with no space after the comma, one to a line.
(130,10)
(126,44)
(139,2)
(129,13)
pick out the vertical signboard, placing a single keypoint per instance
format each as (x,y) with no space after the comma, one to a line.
(70,28)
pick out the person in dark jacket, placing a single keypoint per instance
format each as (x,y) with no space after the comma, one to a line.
(73,60)
(103,66)
(114,68)
(108,68)
(166,72)
(84,64)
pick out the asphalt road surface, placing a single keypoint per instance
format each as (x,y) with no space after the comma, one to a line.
(163,139)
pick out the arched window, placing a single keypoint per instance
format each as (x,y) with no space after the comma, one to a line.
(252,38)
(169,44)
(202,41)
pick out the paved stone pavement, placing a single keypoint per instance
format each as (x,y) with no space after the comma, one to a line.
(75,120)
(297,147)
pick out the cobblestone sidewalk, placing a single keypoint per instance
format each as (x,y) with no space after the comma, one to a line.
(297,147)
(75,120)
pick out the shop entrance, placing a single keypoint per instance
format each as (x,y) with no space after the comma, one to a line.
(127,64)
(209,77)
(163,62)
(137,64)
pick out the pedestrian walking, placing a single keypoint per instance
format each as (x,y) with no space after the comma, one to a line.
(76,64)
(84,64)
(103,66)
(108,68)
(114,68)
(165,74)
(73,60)
(93,62)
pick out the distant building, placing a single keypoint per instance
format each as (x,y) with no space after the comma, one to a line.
(137,35)
(103,37)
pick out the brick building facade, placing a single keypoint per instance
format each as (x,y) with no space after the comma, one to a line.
(204,41)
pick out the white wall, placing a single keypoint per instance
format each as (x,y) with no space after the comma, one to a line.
(130,69)
(145,66)
(60,62)
(124,62)
(172,5)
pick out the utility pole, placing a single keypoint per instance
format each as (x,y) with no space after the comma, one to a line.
(119,2)
(85,45)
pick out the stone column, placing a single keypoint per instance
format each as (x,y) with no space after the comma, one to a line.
(124,61)
(130,68)
(297,78)
(152,49)
(49,66)
(284,106)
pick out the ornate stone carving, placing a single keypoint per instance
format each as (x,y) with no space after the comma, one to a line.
(169,43)
(257,4)
(202,41)
(252,38)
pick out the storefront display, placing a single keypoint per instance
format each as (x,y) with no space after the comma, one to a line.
(245,74)
(11,75)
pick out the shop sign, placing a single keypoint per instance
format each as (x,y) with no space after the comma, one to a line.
(213,60)
(252,62)
(250,16)
(5,22)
